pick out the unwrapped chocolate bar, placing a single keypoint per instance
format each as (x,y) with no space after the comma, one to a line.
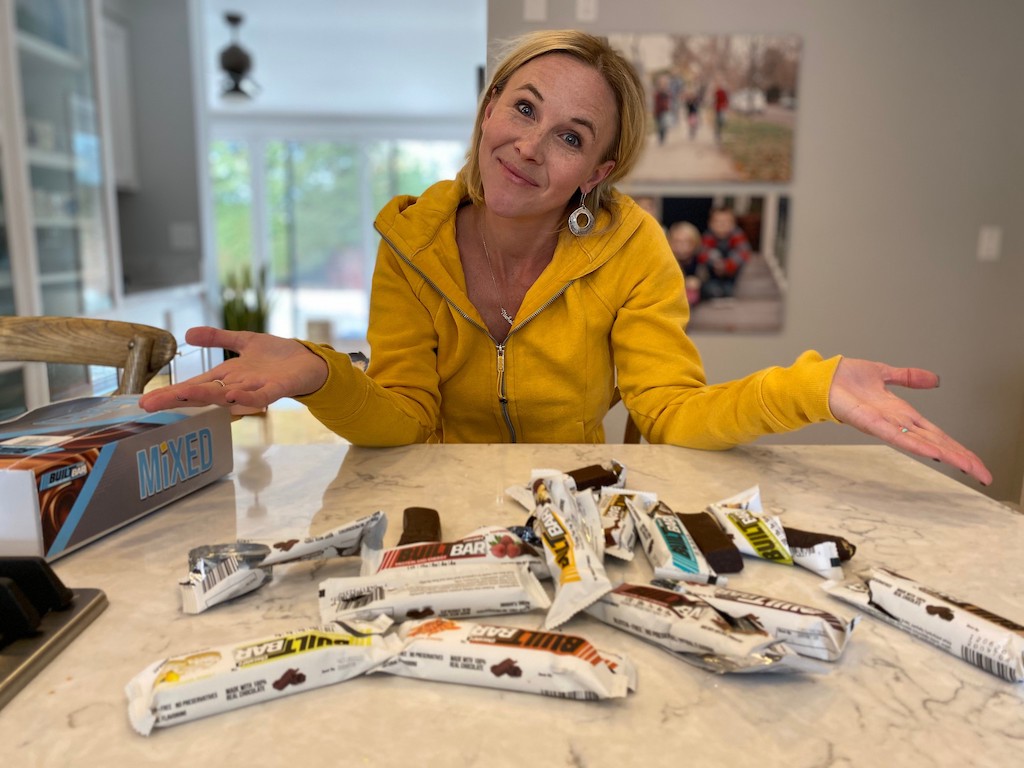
(420,524)
(717,547)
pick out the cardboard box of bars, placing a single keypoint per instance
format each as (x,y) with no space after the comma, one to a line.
(75,470)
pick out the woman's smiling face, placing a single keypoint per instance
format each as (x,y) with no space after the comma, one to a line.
(545,135)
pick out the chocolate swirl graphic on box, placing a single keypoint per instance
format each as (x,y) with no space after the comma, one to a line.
(61,474)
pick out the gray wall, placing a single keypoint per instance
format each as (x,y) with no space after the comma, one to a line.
(165,137)
(908,141)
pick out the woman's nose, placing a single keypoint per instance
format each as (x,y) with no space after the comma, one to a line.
(529,144)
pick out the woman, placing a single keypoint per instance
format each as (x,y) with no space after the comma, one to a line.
(507,304)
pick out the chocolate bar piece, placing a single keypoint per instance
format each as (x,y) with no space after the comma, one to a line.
(799,539)
(290,677)
(506,667)
(593,476)
(420,613)
(420,524)
(715,544)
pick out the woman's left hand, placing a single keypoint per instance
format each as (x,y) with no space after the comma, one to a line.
(860,397)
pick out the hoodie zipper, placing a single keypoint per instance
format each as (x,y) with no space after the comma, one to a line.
(498,346)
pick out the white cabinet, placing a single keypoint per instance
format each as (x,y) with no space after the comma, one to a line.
(117,60)
(58,239)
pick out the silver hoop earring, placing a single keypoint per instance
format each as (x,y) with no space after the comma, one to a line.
(574,218)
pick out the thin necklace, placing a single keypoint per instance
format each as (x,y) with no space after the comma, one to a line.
(497,293)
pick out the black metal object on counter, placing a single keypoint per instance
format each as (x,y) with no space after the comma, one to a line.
(39,616)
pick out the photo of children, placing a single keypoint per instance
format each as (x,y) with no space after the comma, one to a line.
(725,250)
(732,251)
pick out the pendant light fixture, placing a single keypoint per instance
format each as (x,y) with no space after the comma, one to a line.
(236,63)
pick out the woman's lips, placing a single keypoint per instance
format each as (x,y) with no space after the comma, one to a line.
(515,175)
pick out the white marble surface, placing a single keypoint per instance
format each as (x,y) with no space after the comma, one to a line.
(891,700)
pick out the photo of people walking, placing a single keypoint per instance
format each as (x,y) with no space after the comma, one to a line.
(723,107)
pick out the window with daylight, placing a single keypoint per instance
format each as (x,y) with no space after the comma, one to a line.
(294,224)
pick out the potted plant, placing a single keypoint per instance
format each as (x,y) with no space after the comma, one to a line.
(245,302)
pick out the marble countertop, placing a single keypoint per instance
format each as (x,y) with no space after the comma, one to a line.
(890,700)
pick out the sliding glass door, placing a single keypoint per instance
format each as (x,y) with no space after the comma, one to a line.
(296,217)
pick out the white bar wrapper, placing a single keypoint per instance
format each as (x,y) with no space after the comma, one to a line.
(823,553)
(490,544)
(620,531)
(510,658)
(671,550)
(228,580)
(754,533)
(523,494)
(822,559)
(570,502)
(808,631)
(586,503)
(214,680)
(344,541)
(978,636)
(693,631)
(417,593)
(762,535)
(221,572)
(575,567)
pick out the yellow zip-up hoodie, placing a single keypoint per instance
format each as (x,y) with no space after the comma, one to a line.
(609,309)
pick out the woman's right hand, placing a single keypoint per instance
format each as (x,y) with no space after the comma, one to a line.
(267,368)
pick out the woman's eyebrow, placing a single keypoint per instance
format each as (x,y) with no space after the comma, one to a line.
(532,89)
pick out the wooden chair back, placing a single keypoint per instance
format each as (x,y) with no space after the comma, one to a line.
(138,351)
(631,434)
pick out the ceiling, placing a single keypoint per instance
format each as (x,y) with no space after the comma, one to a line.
(329,57)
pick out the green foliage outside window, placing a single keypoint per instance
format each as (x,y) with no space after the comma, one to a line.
(318,200)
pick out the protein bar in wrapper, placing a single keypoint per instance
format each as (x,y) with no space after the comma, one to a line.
(214,680)
(963,629)
(755,533)
(762,535)
(418,593)
(490,544)
(570,502)
(220,572)
(620,531)
(510,658)
(593,478)
(669,547)
(694,631)
(344,541)
(575,567)
(808,631)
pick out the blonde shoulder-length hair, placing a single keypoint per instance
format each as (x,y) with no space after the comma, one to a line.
(616,70)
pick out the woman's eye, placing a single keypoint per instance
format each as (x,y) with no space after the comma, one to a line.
(573,140)
(524,108)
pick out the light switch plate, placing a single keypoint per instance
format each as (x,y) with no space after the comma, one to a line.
(535,10)
(586,10)
(990,243)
